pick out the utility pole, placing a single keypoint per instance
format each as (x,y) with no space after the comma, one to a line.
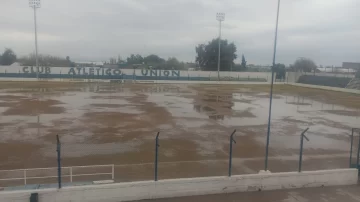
(271,89)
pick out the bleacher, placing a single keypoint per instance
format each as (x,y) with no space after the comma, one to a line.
(340,82)
(354,84)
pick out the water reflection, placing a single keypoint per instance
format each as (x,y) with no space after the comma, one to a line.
(240,109)
(226,107)
(216,107)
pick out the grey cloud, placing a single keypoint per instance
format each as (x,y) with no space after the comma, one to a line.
(327,31)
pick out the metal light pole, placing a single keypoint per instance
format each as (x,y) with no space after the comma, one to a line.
(35,4)
(58,151)
(271,89)
(156,155)
(219,17)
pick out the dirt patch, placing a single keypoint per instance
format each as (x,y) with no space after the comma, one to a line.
(298,103)
(329,97)
(107,105)
(246,145)
(11,97)
(18,155)
(244,114)
(331,123)
(292,120)
(107,97)
(39,84)
(35,107)
(6,104)
(244,100)
(343,112)
(183,150)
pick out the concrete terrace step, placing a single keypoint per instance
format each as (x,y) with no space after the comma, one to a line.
(340,82)
(354,84)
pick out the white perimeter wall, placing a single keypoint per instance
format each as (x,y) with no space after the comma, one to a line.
(137,72)
(188,187)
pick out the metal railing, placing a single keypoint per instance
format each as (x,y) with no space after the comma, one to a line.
(53,173)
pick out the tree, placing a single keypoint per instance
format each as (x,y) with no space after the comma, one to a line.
(243,62)
(155,62)
(207,55)
(46,60)
(304,65)
(70,64)
(120,60)
(8,57)
(112,61)
(173,63)
(280,71)
(135,59)
(153,59)
(238,68)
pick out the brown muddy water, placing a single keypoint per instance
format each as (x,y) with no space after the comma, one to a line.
(117,124)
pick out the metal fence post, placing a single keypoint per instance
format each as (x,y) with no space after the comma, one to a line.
(71,176)
(25,176)
(59,159)
(357,159)
(156,155)
(230,156)
(113,172)
(351,146)
(301,147)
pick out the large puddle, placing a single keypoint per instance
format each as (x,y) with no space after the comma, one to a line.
(117,123)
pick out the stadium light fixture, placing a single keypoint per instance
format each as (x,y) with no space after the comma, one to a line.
(35,4)
(219,17)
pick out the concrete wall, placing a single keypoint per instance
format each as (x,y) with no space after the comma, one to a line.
(188,187)
(136,81)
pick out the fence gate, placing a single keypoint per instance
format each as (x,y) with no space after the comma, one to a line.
(355,148)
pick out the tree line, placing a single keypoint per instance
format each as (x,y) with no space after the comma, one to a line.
(206,60)
(152,61)
(9,57)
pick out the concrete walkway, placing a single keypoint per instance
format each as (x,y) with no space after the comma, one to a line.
(325,194)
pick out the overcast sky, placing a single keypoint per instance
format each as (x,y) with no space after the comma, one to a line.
(327,31)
